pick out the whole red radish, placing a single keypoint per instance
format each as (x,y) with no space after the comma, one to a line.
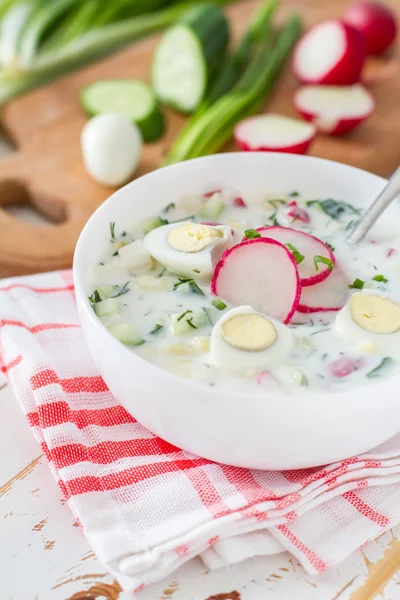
(376,22)
(334,109)
(330,53)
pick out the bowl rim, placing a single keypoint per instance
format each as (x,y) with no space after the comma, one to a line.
(344,397)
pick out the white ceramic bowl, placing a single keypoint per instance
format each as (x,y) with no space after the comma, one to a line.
(268,432)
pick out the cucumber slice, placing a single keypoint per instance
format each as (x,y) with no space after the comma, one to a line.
(106,307)
(106,291)
(154,224)
(212,208)
(188,56)
(129,97)
(125,334)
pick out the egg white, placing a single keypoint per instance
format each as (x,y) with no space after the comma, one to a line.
(225,356)
(198,264)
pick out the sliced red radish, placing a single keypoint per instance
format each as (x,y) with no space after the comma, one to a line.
(239,202)
(210,194)
(344,366)
(273,133)
(309,246)
(376,22)
(334,109)
(330,53)
(262,273)
(328,295)
(294,212)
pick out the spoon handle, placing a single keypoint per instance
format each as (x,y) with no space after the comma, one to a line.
(388,194)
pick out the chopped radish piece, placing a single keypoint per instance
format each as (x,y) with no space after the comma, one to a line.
(376,22)
(308,246)
(262,273)
(296,213)
(239,202)
(328,295)
(272,133)
(211,223)
(210,194)
(334,109)
(390,252)
(330,53)
(344,366)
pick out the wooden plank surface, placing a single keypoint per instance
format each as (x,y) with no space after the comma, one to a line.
(47,170)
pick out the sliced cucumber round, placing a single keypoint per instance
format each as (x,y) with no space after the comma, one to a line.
(129,97)
(188,56)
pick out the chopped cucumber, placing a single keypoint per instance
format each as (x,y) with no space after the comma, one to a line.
(213,208)
(125,334)
(106,307)
(129,97)
(187,321)
(219,304)
(188,56)
(153,224)
(106,291)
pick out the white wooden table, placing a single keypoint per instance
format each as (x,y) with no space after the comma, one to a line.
(45,556)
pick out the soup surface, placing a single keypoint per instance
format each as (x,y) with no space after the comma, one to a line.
(255,292)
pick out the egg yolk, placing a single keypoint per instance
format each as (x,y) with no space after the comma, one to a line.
(375,313)
(252,333)
(193,237)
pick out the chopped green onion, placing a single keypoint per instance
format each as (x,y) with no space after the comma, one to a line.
(163,273)
(334,208)
(156,328)
(191,283)
(324,260)
(357,284)
(298,256)
(277,202)
(219,304)
(190,323)
(122,291)
(112,231)
(382,367)
(169,206)
(252,234)
(330,246)
(116,253)
(183,315)
(95,297)
(294,194)
(380,279)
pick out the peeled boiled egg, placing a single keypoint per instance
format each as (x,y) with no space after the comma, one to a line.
(245,339)
(111,148)
(189,249)
(370,320)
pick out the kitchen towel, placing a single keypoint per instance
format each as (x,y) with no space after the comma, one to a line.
(146,506)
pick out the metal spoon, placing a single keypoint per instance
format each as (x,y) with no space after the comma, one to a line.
(387,195)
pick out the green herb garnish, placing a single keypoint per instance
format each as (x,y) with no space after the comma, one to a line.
(191,283)
(156,328)
(277,202)
(116,253)
(122,291)
(112,231)
(330,246)
(169,206)
(219,304)
(190,323)
(357,284)
(294,194)
(183,315)
(95,297)
(298,256)
(322,259)
(252,234)
(380,279)
(334,208)
(383,366)
(163,272)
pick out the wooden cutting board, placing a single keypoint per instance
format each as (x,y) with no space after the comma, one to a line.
(47,170)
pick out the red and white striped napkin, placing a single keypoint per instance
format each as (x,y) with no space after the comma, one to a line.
(146,506)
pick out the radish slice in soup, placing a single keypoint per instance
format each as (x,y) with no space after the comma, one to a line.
(308,246)
(328,295)
(273,133)
(262,273)
(334,109)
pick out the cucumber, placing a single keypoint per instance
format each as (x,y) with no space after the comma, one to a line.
(106,291)
(188,55)
(212,208)
(188,321)
(129,97)
(125,334)
(154,224)
(106,307)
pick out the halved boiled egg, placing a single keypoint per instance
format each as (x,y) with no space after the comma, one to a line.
(190,249)
(245,339)
(370,320)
